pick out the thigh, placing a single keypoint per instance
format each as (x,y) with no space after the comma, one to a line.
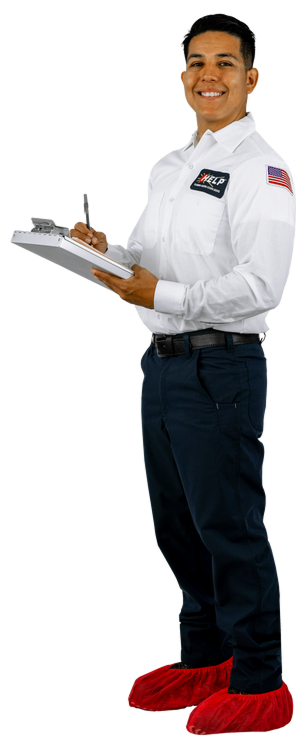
(169,504)
(208,421)
(240,376)
(175,531)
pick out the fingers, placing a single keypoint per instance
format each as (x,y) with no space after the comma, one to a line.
(82,228)
(91,241)
(81,231)
(93,237)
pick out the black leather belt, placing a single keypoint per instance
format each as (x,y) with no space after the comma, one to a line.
(173,345)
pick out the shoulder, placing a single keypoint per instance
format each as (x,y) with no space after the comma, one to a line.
(256,158)
(262,172)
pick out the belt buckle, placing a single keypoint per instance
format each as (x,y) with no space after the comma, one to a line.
(165,346)
(166,342)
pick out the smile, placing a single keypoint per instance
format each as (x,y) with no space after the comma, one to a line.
(211,95)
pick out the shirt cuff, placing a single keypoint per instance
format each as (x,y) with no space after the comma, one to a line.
(169,297)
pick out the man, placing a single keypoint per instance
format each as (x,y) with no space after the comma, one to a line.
(211,255)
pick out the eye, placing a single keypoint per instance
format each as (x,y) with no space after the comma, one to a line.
(221,62)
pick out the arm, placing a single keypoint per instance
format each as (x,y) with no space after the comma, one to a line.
(262,222)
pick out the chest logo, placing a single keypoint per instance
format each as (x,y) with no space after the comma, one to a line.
(212,182)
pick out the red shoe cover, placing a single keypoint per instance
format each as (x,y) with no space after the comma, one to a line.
(224,712)
(172,688)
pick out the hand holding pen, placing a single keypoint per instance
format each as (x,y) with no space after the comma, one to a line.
(87,235)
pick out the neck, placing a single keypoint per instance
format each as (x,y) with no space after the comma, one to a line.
(197,138)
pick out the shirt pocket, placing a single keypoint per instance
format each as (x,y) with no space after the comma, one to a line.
(198,221)
(151,220)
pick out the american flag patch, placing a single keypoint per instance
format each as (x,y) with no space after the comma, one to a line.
(280,177)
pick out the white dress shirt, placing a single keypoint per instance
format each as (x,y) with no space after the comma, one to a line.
(218,232)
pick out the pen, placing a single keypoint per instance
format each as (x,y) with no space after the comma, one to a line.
(85,209)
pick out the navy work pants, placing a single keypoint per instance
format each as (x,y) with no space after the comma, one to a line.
(202,417)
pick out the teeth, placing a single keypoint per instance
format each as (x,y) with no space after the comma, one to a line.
(211,94)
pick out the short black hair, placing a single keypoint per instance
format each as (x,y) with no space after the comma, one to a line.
(228,24)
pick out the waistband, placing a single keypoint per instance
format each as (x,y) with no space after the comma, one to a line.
(173,345)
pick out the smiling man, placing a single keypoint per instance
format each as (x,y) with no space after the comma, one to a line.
(217,83)
(217,87)
(211,254)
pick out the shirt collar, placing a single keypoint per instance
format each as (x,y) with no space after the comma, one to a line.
(231,135)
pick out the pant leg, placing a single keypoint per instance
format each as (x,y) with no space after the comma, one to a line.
(202,643)
(212,404)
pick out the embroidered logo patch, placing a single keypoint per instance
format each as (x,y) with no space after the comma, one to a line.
(279,177)
(212,182)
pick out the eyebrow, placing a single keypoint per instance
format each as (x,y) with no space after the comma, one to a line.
(199,56)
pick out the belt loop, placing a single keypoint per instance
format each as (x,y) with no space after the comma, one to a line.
(229,341)
(187,345)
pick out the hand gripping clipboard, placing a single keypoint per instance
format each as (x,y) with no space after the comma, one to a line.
(70,254)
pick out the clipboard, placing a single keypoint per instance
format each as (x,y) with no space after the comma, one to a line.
(69,253)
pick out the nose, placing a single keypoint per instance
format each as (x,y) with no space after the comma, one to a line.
(209,72)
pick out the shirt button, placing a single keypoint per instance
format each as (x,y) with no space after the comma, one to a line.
(158,317)
(172,199)
(163,238)
(190,166)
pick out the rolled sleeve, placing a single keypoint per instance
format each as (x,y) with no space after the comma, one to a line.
(169,297)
